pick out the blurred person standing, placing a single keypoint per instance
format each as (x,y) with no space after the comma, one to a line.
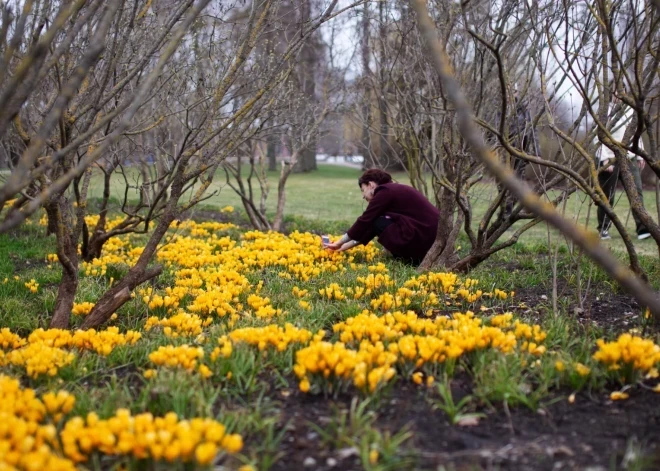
(610,173)
(522,135)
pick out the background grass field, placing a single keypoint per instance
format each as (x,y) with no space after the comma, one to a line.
(331,194)
(284,428)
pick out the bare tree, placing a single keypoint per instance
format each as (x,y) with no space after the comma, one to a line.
(183,113)
(471,133)
(296,121)
(87,43)
(496,50)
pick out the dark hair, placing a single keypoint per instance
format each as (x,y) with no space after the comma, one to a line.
(375,175)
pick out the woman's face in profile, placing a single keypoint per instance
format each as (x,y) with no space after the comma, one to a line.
(368,190)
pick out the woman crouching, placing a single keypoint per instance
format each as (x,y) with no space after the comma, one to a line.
(400,216)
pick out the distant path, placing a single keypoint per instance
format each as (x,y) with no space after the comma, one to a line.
(339,160)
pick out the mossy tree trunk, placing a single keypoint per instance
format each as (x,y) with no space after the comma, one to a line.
(61,219)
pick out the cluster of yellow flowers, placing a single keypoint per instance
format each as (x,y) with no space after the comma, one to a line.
(499,294)
(417,292)
(386,301)
(376,281)
(82,309)
(26,441)
(629,356)
(380,267)
(181,324)
(102,342)
(116,251)
(443,282)
(169,300)
(331,366)
(38,359)
(449,284)
(144,436)
(224,350)
(358,292)
(271,336)
(92,219)
(29,438)
(333,291)
(211,272)
(32,285)
(182,356)
(206,228)
(211,279)
(216,301)
(8,204)
(10,340)
(262,307)
(369,326)
(405,340)
(156,301)
(43,353)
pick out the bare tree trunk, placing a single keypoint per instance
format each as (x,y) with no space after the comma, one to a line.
(281,191)
(307,161)
(443,253)
(384,154)
(367,152)
(657,196)
(310,58)
(271,152)
(66,294)
(67,253)
(96,241)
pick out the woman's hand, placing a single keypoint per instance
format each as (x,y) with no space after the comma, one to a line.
(348,245)
(341,246)
(334,245)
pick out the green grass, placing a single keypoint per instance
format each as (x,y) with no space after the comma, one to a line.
(23,254)
(331,195)
(251,401)
(581,211)
(260,399)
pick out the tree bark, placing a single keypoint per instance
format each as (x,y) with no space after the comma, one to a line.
(367,153)
(271,152)
(443,253)
(118,295)
(309,62)
(384,147)
(93,248)
(60,218)
(66,294)
(281,192)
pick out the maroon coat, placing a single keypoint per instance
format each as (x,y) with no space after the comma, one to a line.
(415,221)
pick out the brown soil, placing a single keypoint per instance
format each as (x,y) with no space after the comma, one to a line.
(21,265)
(613,313)
(591,432)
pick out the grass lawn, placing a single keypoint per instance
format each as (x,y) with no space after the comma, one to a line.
(329,194)
(265,352)
(332,194)
(256,351)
